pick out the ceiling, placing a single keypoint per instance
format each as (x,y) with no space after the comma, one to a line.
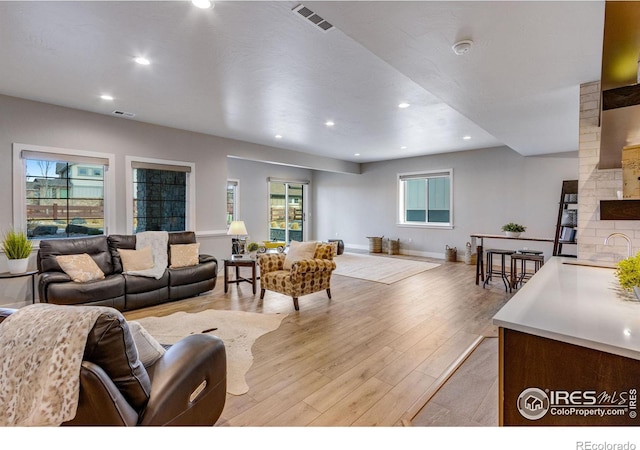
(253,70)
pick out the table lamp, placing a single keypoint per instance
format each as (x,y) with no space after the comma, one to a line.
(238,229)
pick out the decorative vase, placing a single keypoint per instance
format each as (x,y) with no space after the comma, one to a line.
(513,234)
(18,265)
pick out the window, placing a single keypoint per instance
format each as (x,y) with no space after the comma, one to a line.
(425,198)
(160,195)
(52,197)
(232,201)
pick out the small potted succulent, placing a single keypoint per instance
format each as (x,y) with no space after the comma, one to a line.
(17,248)
(513,229)
(628,274)
(252,248)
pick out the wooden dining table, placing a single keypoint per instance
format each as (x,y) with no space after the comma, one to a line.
(480,237)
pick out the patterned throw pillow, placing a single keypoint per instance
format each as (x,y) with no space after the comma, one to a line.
(81,268)
(184,255)
(136,259)
(299,251)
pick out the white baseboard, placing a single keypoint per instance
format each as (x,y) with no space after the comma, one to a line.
(402,251)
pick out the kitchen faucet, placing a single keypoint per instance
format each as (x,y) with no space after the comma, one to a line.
(606,241)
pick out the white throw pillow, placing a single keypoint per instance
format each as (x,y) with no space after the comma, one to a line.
(299,251)
(149,350)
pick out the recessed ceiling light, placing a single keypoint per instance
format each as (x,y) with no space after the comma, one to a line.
(329,123)
(106,97)
(404,105)
(142,61)
(404,147)
(203,4)
(466,138)
(356,154)
(278,136)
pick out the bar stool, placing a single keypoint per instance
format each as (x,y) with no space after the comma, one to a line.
(503,267)
(523,256)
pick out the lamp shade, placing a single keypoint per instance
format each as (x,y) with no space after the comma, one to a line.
(237,228)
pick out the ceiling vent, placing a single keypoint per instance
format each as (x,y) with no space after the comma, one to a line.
(312,18)
(128,115)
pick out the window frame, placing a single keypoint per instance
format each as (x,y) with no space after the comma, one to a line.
(236,200)
(190,209)
(401,198)
(65,154)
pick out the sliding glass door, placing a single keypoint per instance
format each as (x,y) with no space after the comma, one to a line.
(287,211)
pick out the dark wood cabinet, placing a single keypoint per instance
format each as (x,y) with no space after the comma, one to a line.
(620,209)
(575,385)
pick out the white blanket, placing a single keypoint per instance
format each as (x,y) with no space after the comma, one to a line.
(158,241)
(41,349)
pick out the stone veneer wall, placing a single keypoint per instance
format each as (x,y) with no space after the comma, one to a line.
(595,185)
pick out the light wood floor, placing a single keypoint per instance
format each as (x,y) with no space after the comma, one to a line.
(361,359)
(470,396)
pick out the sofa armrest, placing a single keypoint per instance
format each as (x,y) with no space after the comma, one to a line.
(96,388)
(177,378)
(312,265)
(207,258)
(6,312)
(47,278)
(270,262)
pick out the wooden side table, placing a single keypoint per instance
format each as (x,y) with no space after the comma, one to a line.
(28,273)
(237,263)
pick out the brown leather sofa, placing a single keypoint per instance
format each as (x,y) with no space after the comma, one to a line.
(117,290)
(185,386)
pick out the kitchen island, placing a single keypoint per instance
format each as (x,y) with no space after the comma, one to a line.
(569,349)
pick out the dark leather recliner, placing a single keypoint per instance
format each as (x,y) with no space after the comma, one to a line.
(121,291)
(186,386)
(55,286)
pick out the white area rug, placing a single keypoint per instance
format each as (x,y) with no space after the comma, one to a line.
(238,329)
(381,269)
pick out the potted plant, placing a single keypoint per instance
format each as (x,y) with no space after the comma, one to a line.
(17,247)
(628,274)
(513,229)
(252,248)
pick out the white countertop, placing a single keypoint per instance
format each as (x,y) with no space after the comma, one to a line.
(576,304)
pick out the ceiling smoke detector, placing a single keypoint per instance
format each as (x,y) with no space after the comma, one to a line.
(462,47)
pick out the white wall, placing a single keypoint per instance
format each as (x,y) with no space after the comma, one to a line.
(491,187)
(52,126)
(42,124)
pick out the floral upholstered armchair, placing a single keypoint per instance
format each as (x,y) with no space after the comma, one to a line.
(304,269)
